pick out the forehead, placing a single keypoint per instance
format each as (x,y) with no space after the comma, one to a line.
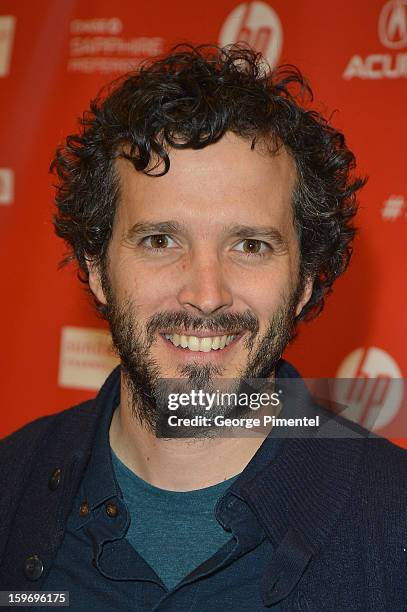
(227,182)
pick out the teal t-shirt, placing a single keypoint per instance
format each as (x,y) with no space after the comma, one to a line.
(173,531)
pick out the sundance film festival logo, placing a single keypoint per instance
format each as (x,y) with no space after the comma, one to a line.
(86,357)
(6,186)
(373,388)
(392,33)
(256,24)
(7,26)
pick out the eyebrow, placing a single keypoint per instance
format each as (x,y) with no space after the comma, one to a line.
(144,228)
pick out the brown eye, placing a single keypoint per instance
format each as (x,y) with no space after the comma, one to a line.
(158,241)
(252,246)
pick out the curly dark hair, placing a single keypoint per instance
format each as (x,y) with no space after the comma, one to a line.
(190,99)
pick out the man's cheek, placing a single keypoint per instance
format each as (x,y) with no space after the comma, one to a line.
(154,293)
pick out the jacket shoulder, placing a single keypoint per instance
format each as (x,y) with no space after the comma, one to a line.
(22,443)
(379,491)
(30,454)
(384,466)
(383,456)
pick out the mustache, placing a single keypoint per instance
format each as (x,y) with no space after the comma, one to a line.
(224,322)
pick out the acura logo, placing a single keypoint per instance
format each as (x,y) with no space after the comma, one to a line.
(393,24)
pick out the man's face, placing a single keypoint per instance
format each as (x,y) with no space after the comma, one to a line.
(203,266)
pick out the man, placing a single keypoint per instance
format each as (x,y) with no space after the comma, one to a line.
(210,212)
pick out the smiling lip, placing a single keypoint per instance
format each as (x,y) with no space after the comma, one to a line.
(202,333)
(185,354)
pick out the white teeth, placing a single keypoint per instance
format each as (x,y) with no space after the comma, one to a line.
(204,345)
(184,341)
(216,343)
(223,341)
(193,343)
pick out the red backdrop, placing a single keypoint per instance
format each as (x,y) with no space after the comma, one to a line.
(54,56)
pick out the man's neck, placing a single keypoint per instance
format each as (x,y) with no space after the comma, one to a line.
(179,464)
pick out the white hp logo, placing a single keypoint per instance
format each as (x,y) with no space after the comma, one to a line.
(257,24)
(393,24)
(374,390)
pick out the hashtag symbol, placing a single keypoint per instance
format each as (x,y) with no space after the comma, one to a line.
(393,207)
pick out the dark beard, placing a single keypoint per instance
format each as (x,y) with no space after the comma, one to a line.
(148,391)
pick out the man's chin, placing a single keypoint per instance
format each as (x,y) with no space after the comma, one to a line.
(193,369)
(187,407)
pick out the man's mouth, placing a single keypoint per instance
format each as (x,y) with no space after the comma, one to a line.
(203,344)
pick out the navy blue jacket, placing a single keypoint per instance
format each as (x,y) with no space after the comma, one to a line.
(335,510)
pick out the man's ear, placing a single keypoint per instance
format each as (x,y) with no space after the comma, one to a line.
(95,282)
(305,296)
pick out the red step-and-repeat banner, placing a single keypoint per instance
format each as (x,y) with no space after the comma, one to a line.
(54,57)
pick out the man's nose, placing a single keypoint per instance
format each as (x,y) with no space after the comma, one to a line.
(204,287)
